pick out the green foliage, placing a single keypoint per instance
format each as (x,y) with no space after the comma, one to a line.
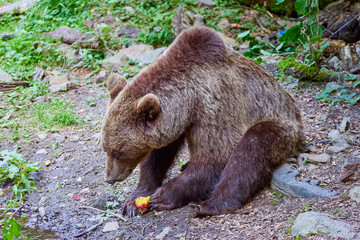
(10,229)
(14,167)
(346,93)
(306,33)
(256,48)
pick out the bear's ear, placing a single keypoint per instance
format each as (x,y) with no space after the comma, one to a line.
(147,111)
(115,84)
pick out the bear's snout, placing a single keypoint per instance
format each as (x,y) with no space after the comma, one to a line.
(110,181)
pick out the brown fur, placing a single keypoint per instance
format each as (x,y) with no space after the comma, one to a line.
(238,122)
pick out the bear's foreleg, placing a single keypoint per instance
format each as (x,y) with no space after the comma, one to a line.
(195,183)
(152,172)
(264,147)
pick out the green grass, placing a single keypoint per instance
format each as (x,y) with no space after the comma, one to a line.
(21,116)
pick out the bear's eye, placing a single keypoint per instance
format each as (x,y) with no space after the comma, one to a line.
(116,155)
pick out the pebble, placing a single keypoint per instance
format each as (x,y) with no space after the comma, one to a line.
(2,193)
(355,194)
(163,233)
(316,158)
(41,151)
(58,138)
(42,211)
(111,226)
(310,223)
(345,125)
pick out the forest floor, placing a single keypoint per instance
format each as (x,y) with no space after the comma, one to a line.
(73,176)
(72,195)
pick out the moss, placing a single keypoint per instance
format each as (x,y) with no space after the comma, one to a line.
(280,9)
(307,72)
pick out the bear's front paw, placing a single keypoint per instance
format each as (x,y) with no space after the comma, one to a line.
(161,200)
(129,208)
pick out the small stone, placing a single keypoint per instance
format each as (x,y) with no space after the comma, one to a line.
(312,148)
(315,158)
(21,6)
(355,194)
(150,56)
(129,32)
(332,85)
(101,77)
(111,226)
(56,80)
(345,125)
(2,193)
(335,63)
(42,136)
(75,138)
(42,201)
(223,24)
(5,77)
(42,211)
(228,41)
(320,223)
(47,163)
(41,151)
(163,233)
(79,179)
(206,3)
(58,138)
(39,74)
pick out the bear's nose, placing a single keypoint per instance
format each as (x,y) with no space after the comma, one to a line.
(110,181)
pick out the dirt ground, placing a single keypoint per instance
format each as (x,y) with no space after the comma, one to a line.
(76,173)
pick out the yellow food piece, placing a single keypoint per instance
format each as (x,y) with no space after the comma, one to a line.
(142,204)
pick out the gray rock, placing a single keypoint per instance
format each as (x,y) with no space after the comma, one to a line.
(355,194)
(22,6)
(42,201)
(42,211)
(101,200)
(41,151)
(335,63)
(163,233)
(111,226)
(355,69)
(284,181)
(69,52)
(39,74)
(223,24)
(60,83)
(206,3)
(316,158)
(115,62)
(321,223)
(135,53)
(150,56)
(59,138)
(5,77)
(345,125)
(129,32)
(346,56)
(102,76)
(340,141)
(333,85)
(68,35)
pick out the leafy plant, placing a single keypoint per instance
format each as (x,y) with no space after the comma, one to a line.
(306,33)
(256,48)
(14,167)
(345,93)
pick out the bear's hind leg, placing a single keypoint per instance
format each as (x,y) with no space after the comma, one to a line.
(152,172)
(262,149)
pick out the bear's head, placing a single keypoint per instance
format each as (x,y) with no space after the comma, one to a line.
(126,127)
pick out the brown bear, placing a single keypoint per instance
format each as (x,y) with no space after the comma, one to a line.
(238,122)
